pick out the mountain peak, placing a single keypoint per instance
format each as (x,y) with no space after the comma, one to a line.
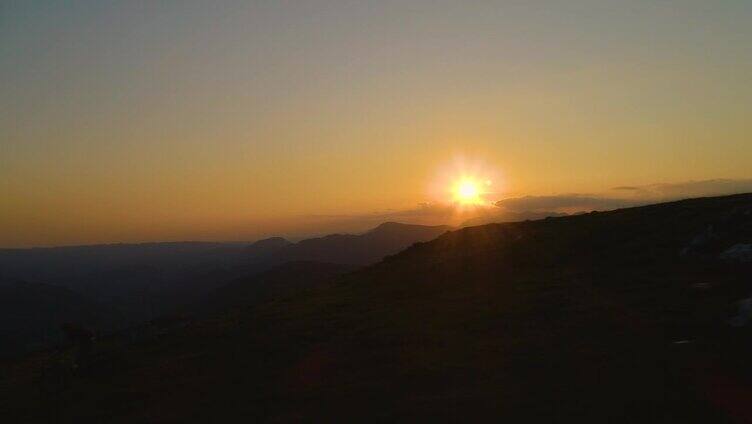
(388,226)
(267,246)
(270,242)
(391,226)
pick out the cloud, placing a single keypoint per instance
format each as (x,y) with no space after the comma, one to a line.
(423,214)
(688,189)
(625,196)
(517,208)
(423,211)
(562,203)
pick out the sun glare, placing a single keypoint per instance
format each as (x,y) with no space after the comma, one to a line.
(468,192)
(466,186)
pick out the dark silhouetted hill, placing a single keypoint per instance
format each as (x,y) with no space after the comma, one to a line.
(362,249)
(267,246)
(509,216)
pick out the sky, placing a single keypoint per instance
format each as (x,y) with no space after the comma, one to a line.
(125,121)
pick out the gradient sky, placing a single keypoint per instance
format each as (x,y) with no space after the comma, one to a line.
(174,120)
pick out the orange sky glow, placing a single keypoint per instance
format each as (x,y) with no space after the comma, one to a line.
(167,121)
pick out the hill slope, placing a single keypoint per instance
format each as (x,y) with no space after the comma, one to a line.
(31,315)
(620,316)
(280,281)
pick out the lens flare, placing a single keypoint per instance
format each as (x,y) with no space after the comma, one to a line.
(468,192)
(467,187)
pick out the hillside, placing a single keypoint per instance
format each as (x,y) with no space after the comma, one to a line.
(280,281)
(31,315)
(624,316)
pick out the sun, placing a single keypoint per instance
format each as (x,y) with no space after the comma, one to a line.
(466,186)
(468,192)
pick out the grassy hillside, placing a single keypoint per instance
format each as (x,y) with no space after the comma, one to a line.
(620,316)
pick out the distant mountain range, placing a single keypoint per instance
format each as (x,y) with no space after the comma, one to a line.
(139,282)
(362,249)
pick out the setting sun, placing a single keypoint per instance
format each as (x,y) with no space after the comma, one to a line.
(535,211)
(468,192)
(467,185)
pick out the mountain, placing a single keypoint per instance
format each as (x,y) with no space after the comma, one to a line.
(132,283)
(114,267)
(285,267)
(108,272)
(362,249)
(346,251)
(136,283)
(267,246)
(32,314)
